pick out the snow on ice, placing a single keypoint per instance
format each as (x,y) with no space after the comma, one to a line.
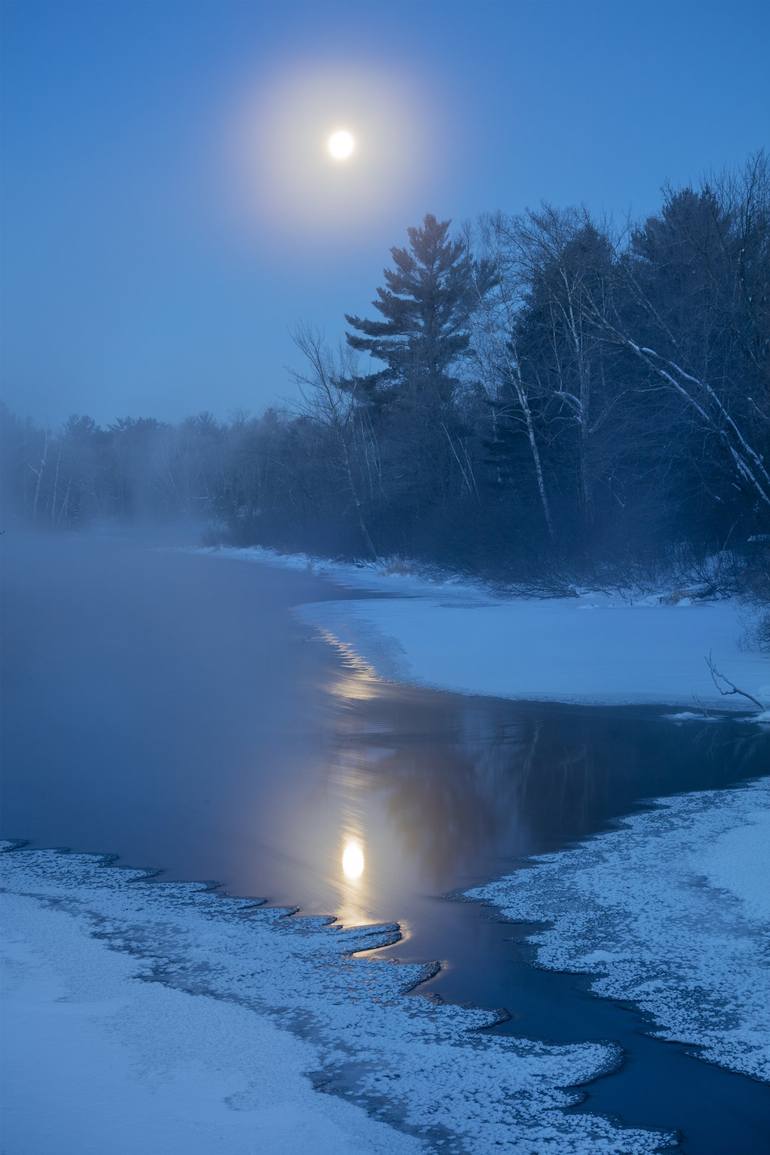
(670,911)
(594,648)
(181,1022)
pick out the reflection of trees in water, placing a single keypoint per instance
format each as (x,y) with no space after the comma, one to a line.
(465,781)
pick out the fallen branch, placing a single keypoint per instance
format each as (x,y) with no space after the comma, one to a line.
(727,688)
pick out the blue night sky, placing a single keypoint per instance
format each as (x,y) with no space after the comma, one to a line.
(168,212)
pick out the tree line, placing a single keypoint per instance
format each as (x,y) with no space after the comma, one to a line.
(532,390)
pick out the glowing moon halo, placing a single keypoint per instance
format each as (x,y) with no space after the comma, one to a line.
(352,860)
(341,144)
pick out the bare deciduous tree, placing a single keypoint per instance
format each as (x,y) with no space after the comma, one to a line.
(332,405)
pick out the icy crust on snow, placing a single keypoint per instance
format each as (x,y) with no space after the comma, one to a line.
(423,1066)
(672,912)
(96,1061)
(583,650)
(452,632)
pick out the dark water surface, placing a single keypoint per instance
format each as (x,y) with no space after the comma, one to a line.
(170,709)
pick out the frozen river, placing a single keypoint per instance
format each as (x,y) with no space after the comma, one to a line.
(170,709)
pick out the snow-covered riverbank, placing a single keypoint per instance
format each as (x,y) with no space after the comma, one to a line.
(176,1034)
(96,1060)
(592,648)
(672,912)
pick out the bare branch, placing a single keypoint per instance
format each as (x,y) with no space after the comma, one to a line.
(727,688)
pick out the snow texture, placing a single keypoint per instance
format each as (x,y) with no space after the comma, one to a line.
(162,1037)
(582,650)
(164,1071)
(670,911)
(593,648)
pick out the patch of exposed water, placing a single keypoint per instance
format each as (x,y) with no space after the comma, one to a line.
(170,709)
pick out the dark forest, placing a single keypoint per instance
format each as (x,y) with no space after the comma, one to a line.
(532,394)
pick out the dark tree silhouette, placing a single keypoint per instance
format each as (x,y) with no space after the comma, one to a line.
(552,400)
(426,304)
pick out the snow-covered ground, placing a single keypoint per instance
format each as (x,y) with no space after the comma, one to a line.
(670,911)
(96,1061)
(146,1017)
(592,648)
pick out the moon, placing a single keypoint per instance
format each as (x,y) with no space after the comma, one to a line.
(341,144)
(352,860)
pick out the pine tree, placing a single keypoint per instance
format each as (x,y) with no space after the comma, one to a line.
(426,304)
